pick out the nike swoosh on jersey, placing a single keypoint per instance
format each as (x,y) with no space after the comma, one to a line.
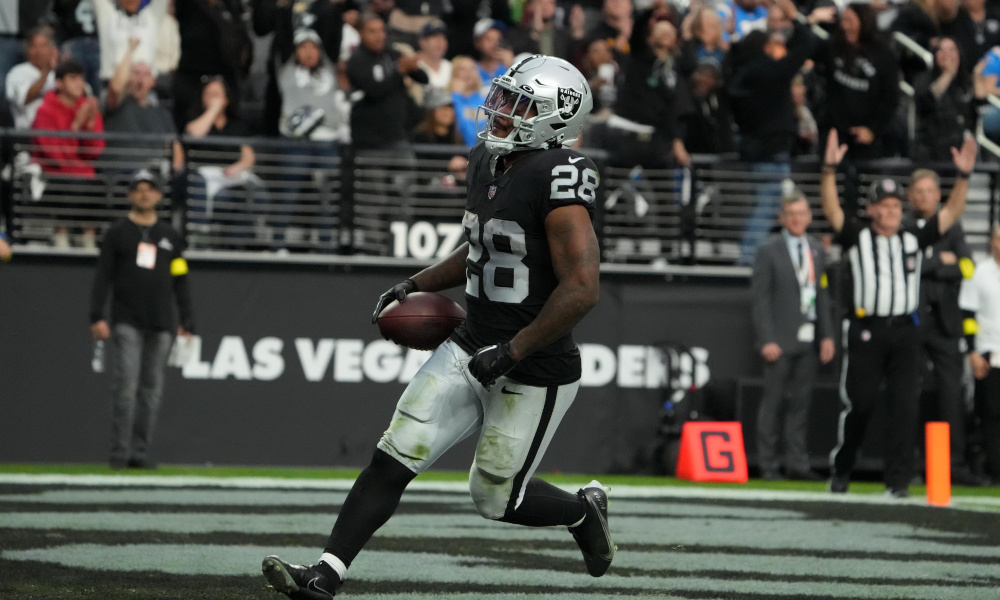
(506,391)
(576,159)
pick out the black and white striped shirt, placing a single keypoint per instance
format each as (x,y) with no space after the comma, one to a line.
(885,271)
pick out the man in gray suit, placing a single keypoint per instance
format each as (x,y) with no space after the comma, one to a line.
(791,311)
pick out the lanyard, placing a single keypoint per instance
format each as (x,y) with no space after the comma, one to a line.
(805,272)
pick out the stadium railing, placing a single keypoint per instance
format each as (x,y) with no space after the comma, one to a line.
(315,202)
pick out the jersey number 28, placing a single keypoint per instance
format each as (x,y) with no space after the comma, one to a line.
(504,276)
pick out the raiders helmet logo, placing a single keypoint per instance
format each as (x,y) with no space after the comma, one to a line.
(492,192)
(569,102)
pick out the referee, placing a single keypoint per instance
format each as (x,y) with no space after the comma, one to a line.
(881,339)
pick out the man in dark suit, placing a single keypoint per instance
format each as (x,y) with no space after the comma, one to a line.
(946,263)
(791,312)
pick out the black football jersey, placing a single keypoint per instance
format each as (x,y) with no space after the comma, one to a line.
(509,274)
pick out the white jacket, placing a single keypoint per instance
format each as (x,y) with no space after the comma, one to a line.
(115,28)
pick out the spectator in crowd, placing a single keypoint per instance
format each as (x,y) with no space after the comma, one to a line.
(312,105)
(168,53)
(807,134)
(461,18)
(142,262)
(923,21)
(313,108)
(538,32)
(944,104)
(401,26)
(29,81)
(118,21)
(747,16)
(601,71)
(615,28)
(283,18)
(216,117)
(862,83)
(645,129)
(17,19)
(349,41)
(495,55)
(945,264)
(976,29)
(68,108)
(438,125)
(214,42)
(381,117)
(792,321)
(760,89)
(431,56)
(985,77)
(130,109)
(76,29)
(224,166)
(980,302)
(708,126)
(467,95)
(882,341)
(702,32)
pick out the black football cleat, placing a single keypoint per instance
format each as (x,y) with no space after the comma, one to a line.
(298,582)
(592,535)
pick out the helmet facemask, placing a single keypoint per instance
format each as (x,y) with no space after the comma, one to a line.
(504,108)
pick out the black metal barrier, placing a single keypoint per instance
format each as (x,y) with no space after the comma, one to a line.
(323,198)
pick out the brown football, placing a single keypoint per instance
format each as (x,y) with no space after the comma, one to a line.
(423,321)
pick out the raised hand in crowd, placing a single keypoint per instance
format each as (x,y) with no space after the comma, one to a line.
(835,151)
(823,14)
(406,63)
(965,157)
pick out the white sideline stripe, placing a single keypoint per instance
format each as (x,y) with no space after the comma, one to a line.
(976,503)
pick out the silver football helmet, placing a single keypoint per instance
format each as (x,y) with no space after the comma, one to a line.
(540,102)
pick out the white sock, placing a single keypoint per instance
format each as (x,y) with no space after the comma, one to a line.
(334,563)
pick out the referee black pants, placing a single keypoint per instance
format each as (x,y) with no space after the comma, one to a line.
(988,408)
(942,385)
(880,350)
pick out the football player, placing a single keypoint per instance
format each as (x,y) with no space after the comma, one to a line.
(512,369)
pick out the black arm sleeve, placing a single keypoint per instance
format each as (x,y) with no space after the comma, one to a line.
(182,291)
(265,16)
(970,338)
(104,276)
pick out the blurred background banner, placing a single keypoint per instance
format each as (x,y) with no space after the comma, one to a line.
(288,370)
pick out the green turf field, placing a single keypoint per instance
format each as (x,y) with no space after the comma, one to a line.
(85,532)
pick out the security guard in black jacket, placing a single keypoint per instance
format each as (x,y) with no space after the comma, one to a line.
(881,339)
(945,264)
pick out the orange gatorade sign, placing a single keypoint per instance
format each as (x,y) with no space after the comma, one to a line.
(712,451)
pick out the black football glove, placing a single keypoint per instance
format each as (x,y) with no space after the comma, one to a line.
(396,292)
(490,363)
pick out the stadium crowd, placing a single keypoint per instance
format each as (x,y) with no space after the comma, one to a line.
(755,77)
